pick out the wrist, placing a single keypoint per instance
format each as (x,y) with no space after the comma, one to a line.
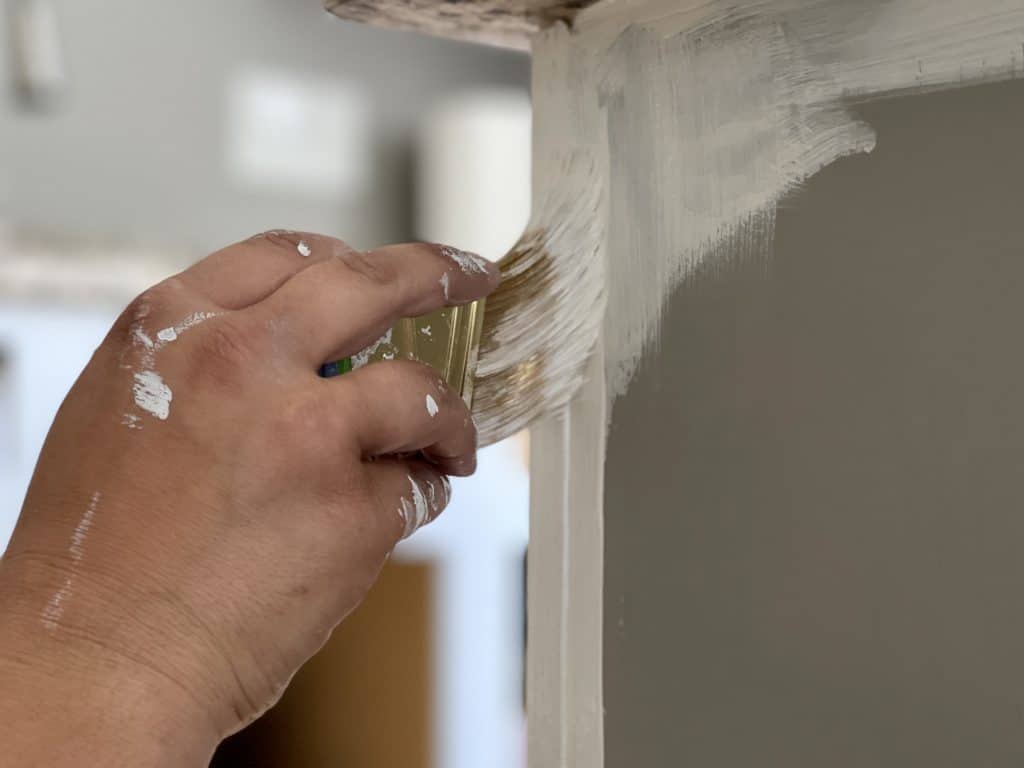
(67,694)
(60,704)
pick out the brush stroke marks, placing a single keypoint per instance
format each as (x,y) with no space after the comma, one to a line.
(692,119)
(54,608)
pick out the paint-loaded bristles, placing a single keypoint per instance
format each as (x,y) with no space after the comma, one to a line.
(541,324)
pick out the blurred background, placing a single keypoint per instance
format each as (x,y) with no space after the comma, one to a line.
(137,137)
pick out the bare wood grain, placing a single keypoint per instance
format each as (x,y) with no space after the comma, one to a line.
(506,23)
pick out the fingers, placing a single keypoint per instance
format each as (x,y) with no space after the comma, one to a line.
(247,272)
(339,306)
(415,491)
(399,406)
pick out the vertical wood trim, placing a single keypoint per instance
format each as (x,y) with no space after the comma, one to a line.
(565,582)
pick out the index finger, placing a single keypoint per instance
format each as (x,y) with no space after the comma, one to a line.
(339,306)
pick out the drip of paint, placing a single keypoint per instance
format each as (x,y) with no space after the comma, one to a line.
(432,408)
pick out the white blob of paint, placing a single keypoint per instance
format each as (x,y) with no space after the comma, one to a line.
(131,421)
(425,330)
(303,248)
(167,335)
(362,358)
(432,408)
(151,394)
(445,282)
(469,263)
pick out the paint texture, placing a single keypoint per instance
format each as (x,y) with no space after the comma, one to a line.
(682,124)
(149,391)
(56,605)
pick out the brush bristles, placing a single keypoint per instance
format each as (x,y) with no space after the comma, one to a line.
(541,324)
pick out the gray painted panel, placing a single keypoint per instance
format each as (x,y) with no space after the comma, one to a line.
(814,498)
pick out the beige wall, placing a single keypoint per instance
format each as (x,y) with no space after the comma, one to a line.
(814,489)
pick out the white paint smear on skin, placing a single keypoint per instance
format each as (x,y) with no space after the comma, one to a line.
(667,131)
(432,408)
(148,389)
(445,283)
(469,263)
(167,335)
(303,248)
(55,606)
(362,358)
(415,511)
(152,395)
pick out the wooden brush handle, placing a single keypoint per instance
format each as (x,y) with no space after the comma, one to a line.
(506,23)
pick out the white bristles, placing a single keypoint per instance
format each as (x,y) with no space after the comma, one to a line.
(542,322)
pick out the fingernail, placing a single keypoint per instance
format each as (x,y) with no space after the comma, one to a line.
(470,263)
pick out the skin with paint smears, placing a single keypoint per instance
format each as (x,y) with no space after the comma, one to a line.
(206,508)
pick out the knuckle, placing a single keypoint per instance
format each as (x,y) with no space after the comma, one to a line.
(376,272)
(223,352)
(282,238)
(149,307)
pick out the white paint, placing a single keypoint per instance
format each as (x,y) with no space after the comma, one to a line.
(362,358)
(141,337)
(684,122)
(303,248)
(54,609)
(151,394)
(81,531)
(700,116)
(167,335)
(432,408)
(148,389)
(445,283)
(425,330)
(55,606)
(414,511)
(469,263)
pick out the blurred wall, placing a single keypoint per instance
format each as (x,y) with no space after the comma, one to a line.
(135,146)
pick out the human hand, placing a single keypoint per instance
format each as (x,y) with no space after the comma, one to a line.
(206,509)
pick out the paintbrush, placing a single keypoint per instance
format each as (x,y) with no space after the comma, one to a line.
(520,355)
